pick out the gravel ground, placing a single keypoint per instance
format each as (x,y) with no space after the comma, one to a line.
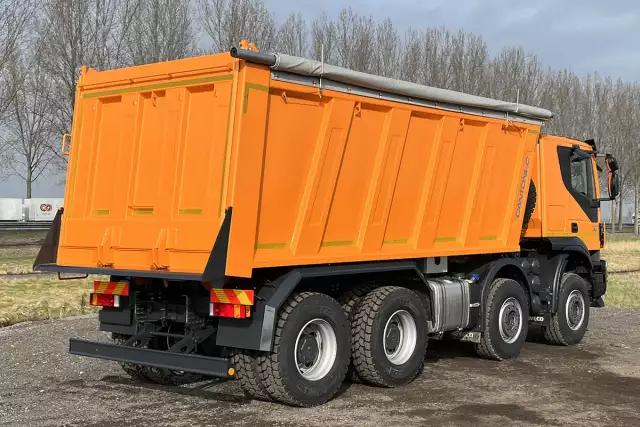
(596,383)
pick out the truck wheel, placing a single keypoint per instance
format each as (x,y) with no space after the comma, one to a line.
(569,322)
(506,321)
(157,375)
(310,353)
(389,336)
(349,300)
(247,373)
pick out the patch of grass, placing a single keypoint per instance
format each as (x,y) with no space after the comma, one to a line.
(25,236)
(17,260)
(623,290)
(41,297)
(623,257)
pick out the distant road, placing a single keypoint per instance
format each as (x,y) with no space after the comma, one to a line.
(594,384)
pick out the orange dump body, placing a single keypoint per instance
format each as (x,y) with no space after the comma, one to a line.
(158,152)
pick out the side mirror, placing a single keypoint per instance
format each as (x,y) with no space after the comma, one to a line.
(612,163)
(614,185)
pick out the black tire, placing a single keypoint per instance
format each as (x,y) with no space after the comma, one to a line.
(278,370)
(156,375)
(246,364)
(349,301)
(560,331)
(367,336)
(510,294)
(530,206)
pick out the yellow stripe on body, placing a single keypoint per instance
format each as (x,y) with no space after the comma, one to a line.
(102,288)
(222,297)
(118,290)
(242,297)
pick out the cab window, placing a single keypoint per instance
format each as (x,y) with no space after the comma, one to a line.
(581,175)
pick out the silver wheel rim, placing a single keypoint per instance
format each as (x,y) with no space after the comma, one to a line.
(574,310)
(510,323)
(316,349)
(400,337)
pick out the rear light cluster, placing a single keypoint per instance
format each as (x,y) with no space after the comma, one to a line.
(102,300)
(233,303)
(108,294)
(235,311)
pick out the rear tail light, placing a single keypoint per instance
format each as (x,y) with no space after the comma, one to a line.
(105,300)
(235,311)
(233,303)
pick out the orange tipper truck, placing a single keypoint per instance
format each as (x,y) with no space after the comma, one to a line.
(283,221)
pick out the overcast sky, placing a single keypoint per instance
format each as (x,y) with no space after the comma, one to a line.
(584,35)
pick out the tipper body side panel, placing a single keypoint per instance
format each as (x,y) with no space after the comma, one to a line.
(348,178)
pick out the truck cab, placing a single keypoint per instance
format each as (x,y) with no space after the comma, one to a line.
(565,183)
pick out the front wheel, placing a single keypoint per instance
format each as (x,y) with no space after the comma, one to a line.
(506,321)
(569,322)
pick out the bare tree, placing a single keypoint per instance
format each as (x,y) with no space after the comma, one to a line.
(411,56)
(355,41)
(387,50)
(436,67)
(293,36)
(15,16)
(161,30)
(516,75)
(73,33)
(228,22)
(29,135)
(323,36)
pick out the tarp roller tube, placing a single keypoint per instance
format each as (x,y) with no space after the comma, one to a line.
(251,56)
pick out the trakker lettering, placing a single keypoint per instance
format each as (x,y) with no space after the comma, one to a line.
(523,184)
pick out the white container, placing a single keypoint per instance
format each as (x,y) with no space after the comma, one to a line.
(10,209)
(42,209)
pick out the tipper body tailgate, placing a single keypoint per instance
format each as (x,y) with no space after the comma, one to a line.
(149,165)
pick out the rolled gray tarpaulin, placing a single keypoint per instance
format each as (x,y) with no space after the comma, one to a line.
(309,67)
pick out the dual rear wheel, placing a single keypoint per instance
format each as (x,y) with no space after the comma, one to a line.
(316,340)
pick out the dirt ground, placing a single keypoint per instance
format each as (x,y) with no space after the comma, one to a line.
(594,384)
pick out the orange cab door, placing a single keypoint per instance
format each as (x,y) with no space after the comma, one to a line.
(570,191)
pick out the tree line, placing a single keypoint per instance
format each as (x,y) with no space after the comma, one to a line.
(44,43)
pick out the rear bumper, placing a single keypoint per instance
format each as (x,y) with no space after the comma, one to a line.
(211,366)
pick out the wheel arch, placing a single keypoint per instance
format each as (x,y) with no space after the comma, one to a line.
(258,334)
(577,259)
(503,268)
